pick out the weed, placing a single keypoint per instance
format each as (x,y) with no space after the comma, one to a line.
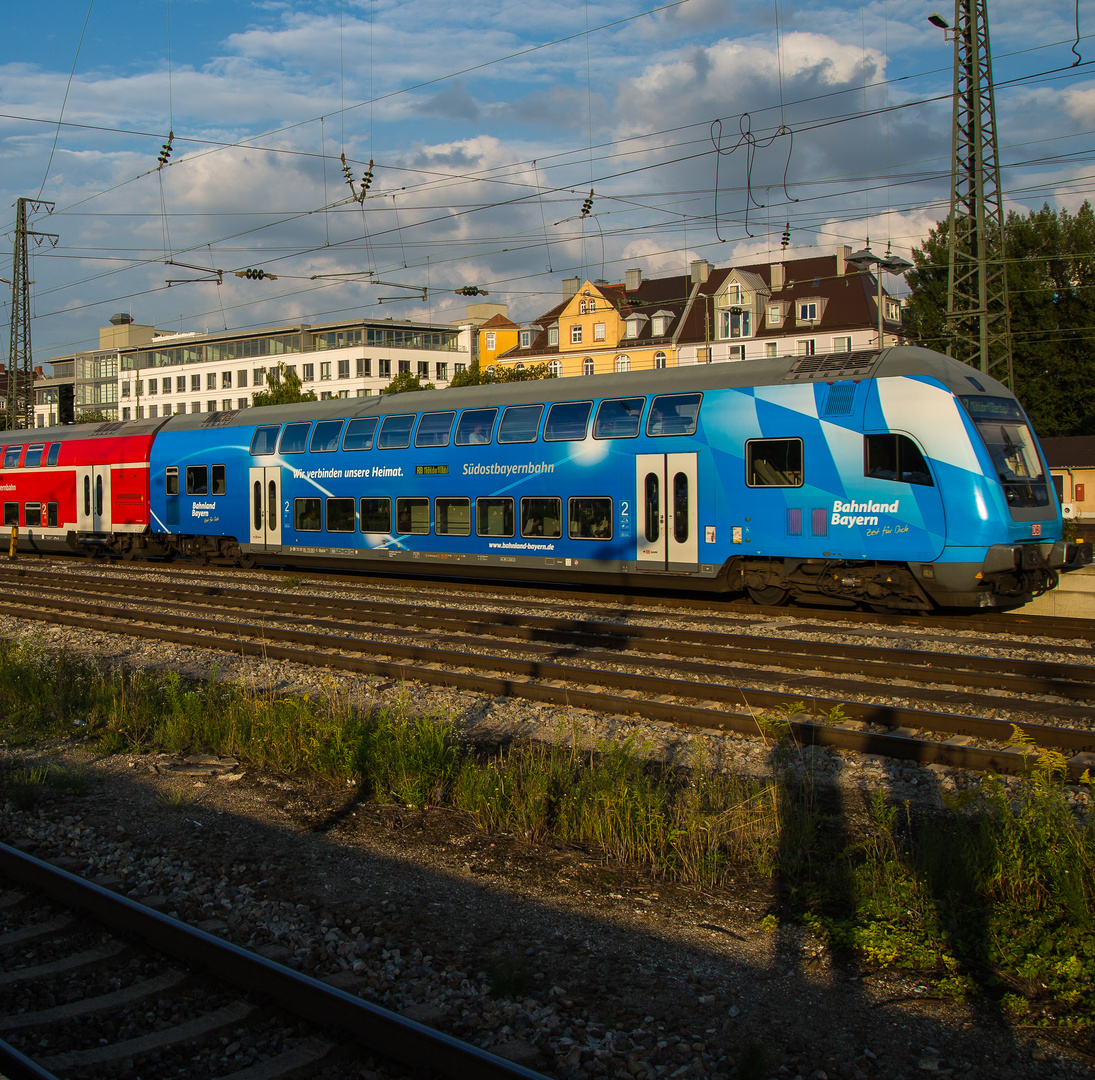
(175,799)
(293,581)
(26,786)
(509,976)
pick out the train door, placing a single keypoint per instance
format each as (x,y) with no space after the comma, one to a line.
(266,506)
(668,514)
(93,498)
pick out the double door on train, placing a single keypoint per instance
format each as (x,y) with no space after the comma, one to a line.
(667,524)
(265,508)
(93,498)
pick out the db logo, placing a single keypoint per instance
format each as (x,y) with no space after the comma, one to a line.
(1036,530)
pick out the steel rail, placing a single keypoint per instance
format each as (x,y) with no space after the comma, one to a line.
(370,1025)
(1073,681)
(556,686)
(350,576)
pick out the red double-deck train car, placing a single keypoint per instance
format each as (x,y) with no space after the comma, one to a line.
(86,482)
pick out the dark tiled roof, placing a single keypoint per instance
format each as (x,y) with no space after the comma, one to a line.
(498,322)
(1070,451)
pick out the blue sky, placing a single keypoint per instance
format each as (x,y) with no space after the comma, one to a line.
(488,125)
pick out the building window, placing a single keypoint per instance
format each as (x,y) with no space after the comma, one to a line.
(195,406)
(423,369)
(226,404)
(166,409)
(587,366)
(553,336)
(385,369)
(737,352)
(126,387)
(842,344)
(344,369)
(598,331)
(226,380)
(361,370)
(623,363)
(555,368)
(581,307)
(126,413)
(892,309)
(211,380)
(576,335)
(210,406)
(241,403)
(489,340)
(180,384)
(259,379)
(309,373)
(703,355)
(442,371)
(241,379)
(325,369)
(195,383)
(592,306)
(659,360)
(140,387)
(152,410)
(771,348)
(459,369)
(774,314)
(526,338)
(140,412)
(153,386)
(404,367)
(805,348)
(807,312)
(736,323)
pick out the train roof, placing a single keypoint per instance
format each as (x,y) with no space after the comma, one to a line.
(900,360)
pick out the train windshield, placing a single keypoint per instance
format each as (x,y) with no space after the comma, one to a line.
(1011,446)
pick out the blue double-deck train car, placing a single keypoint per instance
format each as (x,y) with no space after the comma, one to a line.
(901,479)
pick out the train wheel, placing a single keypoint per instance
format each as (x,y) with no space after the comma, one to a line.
(769,596)
(246,562)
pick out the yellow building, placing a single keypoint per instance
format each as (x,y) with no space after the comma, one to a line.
(496,336)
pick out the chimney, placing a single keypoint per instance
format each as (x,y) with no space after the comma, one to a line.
(633,279)
(570,287)
(701,271)
(842,253)
(776,270)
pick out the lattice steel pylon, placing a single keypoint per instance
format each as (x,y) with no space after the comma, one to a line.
(20,389)
(978,312)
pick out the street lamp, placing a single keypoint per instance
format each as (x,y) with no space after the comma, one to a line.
(864,259)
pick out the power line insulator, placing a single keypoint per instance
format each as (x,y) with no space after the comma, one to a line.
(587,206)
(165,151)
(256,275)
(471,290)
(366,180)
(786,238)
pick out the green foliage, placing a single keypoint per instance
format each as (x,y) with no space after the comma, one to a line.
(94,416)
(1051,284)
(473,375)
(406,383)
(283,387)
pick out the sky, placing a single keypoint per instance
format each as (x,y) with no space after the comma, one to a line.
(705,129)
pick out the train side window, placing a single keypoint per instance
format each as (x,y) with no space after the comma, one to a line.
(265,441)
(220,480)
(256,505)
(452,517)
(589,519)
(395,432)
(674,414)
(11,456)
(98,495)
(308,515)
(340,515)
(680,507)
(197,480)
(54,452)
(434,429)
(51,515)
(171,480)
(412,516)
(567,421)
(652,508)
(294,439)
(895,457)
(542,517)
(773,463)
(494,517)
(325,437)
(11,513)
(618,418)
(376,515)
(475,426)
(34,456)
(520,423)
(87,496)
(32,515)
(359,434)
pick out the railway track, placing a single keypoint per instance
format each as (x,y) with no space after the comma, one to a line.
(144,966)
(718,679)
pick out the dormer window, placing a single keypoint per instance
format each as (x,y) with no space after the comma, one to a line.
(737,322)
(553,336)
(774,314)
(892,309)
(659,323)
(807,311)
(526,338)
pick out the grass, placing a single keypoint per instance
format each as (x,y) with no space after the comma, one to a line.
(995,896)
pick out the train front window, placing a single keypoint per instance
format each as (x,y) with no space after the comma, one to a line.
(1011,447)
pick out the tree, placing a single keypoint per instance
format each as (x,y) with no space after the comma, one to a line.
(283,387)
(406,383)
(94,416)
(1051,289)
(473,375)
